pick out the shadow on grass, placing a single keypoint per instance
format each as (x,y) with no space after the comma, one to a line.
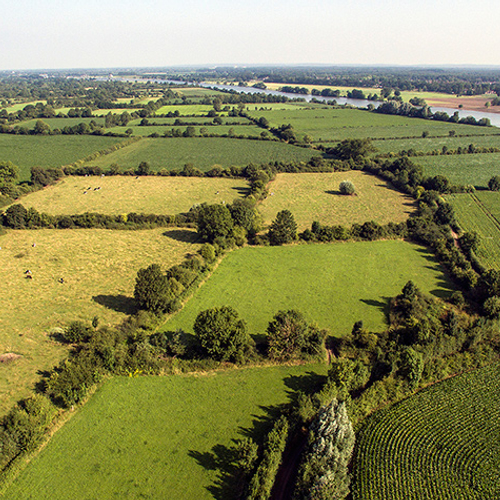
(182,235)
(334,192)
(230,482)
(118,303)
(381,305)
(241,190)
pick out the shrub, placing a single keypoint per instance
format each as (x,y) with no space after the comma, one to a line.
(347,188)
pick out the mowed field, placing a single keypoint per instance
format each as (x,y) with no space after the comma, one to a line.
(115,195)
(441,443)
(202,152)
(437,143)
(326,124)
(98,267)
(475,169)
(28,151)
(159,437)
(480,212)
(316,197)
(334,285)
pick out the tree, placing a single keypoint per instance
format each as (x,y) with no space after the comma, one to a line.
(289,336)
(15,217)
(283,229)
(214,221)
(9,173)
(41,128)
(324,473)
(494,183)
(354,149)
(347,188)
(143,168)
(222,335)
(151,290)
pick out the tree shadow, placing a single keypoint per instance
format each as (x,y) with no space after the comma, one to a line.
(333,192)
(241,190)
(381,305)
(118,303)
(182,235)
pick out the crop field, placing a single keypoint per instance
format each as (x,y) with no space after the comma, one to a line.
(329,124)
(116,195)
(334,285)
(475,169)
(202,152)
(159,437)
(60,123)
(440,443)
(436,143)
(247,130)
(480,212)
(188,109)
(312,196)
(98,267)
(49,151)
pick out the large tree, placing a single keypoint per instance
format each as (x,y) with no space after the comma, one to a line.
(283,229)
(151,290)
(223,335)
(353,149)
(214,221)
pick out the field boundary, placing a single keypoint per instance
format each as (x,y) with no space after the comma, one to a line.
(483,208)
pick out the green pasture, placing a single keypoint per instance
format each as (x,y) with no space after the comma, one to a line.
(117,195)
(316,197)
(202,152)
(17,107)
(113,111)
(441,443)
(60,123)
(144,131)
(326,124)
(98,267)
(28,151)
(480,212)
(437,143)
(191,92)
(203,120)
(334,285)
(188,109)
(475,169)
(160,437)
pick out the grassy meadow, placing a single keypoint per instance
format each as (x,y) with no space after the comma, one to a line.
(98,267)
(202,152)
(480,212)
(159,437)
(28,151)
(144,131)
(440,443)
(334,285)
(326,124)
(476,169)
(115,195)
(312,196)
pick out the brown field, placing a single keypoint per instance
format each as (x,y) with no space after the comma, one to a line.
(99,268)
(314,196)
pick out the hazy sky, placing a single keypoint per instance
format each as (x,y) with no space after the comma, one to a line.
(115,33)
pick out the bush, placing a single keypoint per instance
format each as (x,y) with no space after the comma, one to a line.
(347,188)
(494,183)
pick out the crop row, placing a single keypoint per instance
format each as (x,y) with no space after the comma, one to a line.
(441,443)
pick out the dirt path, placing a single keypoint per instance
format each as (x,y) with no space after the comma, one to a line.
(287,473)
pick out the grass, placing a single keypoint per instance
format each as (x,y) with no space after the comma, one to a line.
(328,124)
(159,437)
(480,212)
(248,130)
(313,197)
(430,144)
(202,152)
(187,109)
(60,123)
(99,268)
(125,194)
(441,443)
(334,285)
(475,169)
(191,119)
(28,151)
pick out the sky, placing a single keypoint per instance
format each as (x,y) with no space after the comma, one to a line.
(57,34)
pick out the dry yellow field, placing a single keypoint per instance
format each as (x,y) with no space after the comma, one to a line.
(116,195)
(98,267)
(314,196)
